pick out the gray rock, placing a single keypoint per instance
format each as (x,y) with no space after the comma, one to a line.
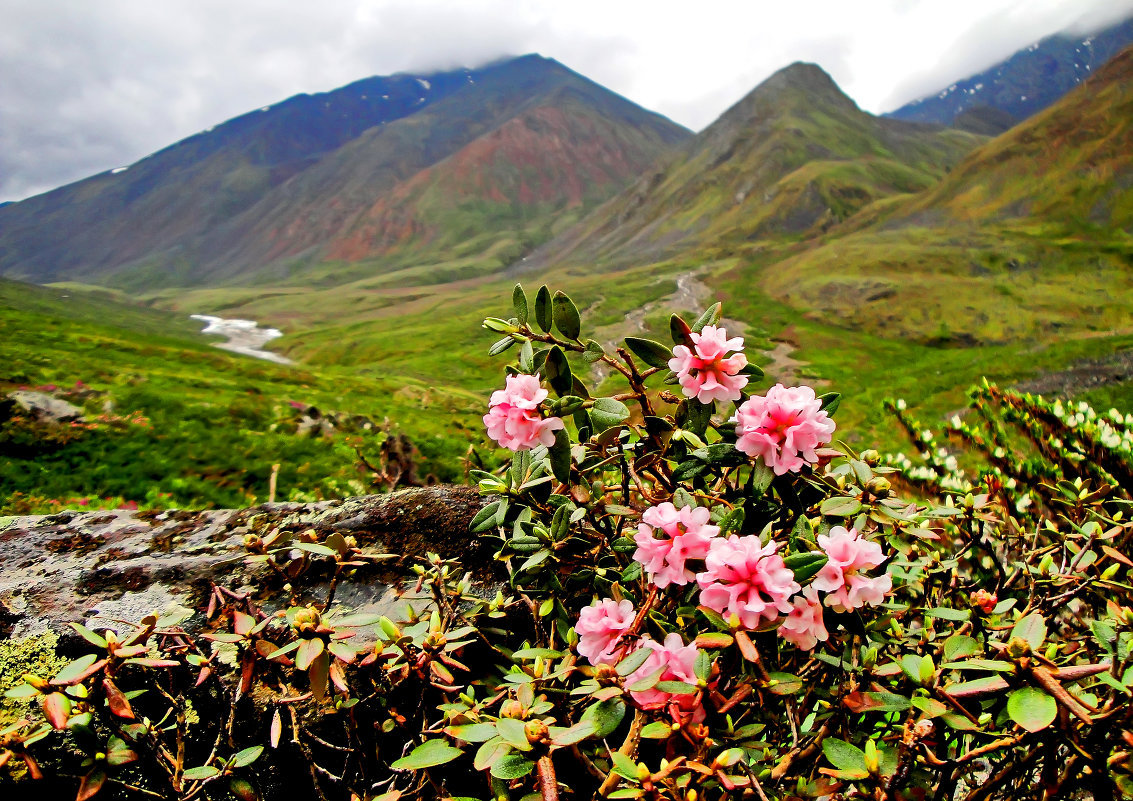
(46,408)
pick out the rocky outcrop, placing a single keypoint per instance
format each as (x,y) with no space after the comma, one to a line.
(117,566)
(43,408)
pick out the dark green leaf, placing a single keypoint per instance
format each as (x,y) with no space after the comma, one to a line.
(558,371)
(513,733)
(681,333)
(607,412)
(543,314)
(519,301)
(485,518)
(246,757)
(633,661)
(566,316)
(805,566)
(650,351)
(830,402)
(559,454)
(202,772)
(605,716)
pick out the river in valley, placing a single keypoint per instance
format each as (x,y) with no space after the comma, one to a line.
(243,336)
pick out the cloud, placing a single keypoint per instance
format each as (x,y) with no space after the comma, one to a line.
(91,86)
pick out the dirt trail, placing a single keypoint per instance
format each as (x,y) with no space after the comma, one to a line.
(693,293)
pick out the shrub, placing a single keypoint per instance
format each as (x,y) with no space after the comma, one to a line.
(704,595)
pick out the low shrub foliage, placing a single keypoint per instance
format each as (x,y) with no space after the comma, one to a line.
(702,594)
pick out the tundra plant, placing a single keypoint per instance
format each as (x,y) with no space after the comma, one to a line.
(699,594)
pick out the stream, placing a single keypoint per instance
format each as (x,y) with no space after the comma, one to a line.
(243,336)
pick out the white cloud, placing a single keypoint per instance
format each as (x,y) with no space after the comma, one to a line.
(92,86)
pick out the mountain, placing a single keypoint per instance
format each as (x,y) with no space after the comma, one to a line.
(342,176)
(792,158)
(1028,237)
(1026,83)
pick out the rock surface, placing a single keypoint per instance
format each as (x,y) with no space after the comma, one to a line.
(46,408)
(118,566)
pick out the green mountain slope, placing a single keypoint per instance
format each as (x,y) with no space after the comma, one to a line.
(175,422)
(1028,237)
(790,159)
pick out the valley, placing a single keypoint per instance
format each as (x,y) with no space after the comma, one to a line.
(873,257)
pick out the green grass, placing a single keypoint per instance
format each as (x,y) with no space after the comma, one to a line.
(217,421)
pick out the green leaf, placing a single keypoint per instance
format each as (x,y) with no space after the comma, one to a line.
(830,402)
(315,548)
(633,661)
(944,613)
(427,755)
(246,757)
(840,507)
(784,683)
(675,687)
(657,730)
(997,665)
(512,732)
(543,314)
(605,716)
(519,301)
(711,316)
(490,751)
(959,646)
(88,635)
(75,671)
(1032,628)
(593,352)
(805,566)
(843,755)
(512,766)
(558,371)
(485,518)
(1031,708)
(473,732)
(607,412)
(534,653)
(650,351)
(566,316)
(680,332)
(527,357)
(308,652)
(559,454)
(623,765)
(501,345)
(699,416)
(199,773)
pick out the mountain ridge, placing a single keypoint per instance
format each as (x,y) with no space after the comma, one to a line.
(267,197)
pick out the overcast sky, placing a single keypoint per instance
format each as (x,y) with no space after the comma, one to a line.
(87,85)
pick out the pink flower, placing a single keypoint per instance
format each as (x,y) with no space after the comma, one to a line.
(513,417)
(803,627)
(679,662)
(784,427)
(847,553)
(600,626)
(706,374)
(686,536)
(746,579)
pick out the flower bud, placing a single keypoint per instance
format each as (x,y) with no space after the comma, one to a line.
(536,731)
(642,772)
(1017,648)
(253,542)
(871,457)
(512,709)
(879,487)
(984,601)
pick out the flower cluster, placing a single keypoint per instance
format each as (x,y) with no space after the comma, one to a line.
(685,535)
(514,419)
(784,428)
(705,371)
